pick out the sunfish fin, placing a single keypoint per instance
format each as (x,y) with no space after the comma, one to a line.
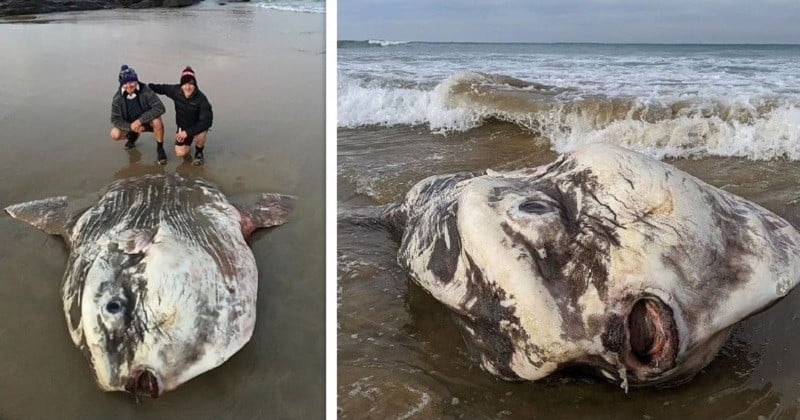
(384,216)
(270,210)
(48,214)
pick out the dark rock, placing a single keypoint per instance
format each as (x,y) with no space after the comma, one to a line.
(30,7)
(178,3)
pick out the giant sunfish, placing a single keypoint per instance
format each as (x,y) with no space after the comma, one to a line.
(160,284)
(604,258)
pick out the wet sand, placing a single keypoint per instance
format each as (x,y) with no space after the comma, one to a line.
(263,72)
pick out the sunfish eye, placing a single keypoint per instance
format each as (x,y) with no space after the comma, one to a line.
(533,207)
(114,307)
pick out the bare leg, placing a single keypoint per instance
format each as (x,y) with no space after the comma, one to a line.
(117,134)
(158,133)
(181,151)
(200,140)
(158,129)
(130,136)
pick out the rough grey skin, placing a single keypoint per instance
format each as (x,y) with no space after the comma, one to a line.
(160,284)
(604,258)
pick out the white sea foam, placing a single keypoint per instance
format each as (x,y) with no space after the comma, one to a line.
(363,105)
(385,43)
(757,125)
(775,134)
(300,6)
(424,400)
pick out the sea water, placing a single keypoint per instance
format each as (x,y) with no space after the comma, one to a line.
(664,100)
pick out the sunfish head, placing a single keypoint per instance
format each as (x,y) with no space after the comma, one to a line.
(603,259)
(157,309)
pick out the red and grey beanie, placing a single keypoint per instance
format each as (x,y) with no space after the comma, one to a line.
(187,75)
(127,74)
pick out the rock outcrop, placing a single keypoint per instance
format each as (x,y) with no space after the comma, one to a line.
(34,7)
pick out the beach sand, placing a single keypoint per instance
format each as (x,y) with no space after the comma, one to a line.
(263,71)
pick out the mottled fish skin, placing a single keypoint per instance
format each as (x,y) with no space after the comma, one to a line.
(160,279)
(603,258)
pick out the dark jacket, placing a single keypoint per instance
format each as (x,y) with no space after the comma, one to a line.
(148,100)
(192,114)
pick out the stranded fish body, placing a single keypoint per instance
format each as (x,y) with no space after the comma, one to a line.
(160,284)
(604,258)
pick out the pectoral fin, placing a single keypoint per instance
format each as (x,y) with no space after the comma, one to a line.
(270,210)
(49,214)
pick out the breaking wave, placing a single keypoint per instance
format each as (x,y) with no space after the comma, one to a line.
(757,127)
(369,43)
(301,6)
(385,43)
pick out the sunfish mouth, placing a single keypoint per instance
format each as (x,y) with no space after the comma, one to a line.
(653,337)
(144,382)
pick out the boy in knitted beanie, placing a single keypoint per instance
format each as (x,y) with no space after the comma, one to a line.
(193,114)
(135,108)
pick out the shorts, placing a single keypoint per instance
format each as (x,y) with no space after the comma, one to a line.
(186,142)
(147,127)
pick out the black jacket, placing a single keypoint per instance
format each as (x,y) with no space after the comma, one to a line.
(148,100)
(192,114)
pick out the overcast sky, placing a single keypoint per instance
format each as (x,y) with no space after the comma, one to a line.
(679,21)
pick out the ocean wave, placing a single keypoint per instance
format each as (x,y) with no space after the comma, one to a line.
(300,6)
(369,43)
(756,127)
(385,43)
(375,105)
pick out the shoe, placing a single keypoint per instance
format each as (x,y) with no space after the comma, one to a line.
(162,157)
(198,159)
(132,137)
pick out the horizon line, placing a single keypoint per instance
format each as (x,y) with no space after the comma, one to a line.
(570,42)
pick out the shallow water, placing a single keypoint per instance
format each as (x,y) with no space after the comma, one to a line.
(401,354)
(263,71)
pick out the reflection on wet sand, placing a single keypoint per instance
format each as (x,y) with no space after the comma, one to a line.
(138,166)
